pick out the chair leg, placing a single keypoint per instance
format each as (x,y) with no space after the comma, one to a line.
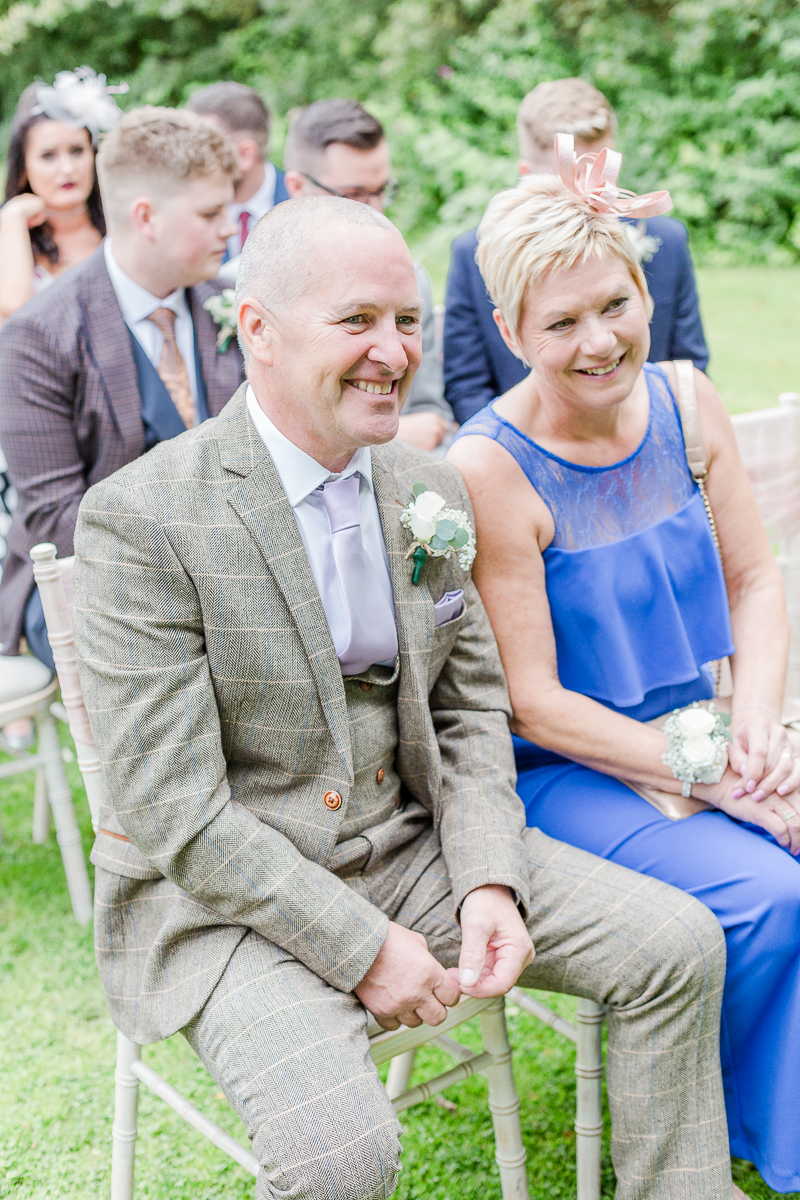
(400,1069)
(124,1131)
(589,1108)
(67,832)
(503,1103)
(41,810)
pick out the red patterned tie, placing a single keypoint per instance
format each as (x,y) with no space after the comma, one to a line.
(244,217)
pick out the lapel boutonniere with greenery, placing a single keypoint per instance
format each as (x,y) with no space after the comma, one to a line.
(437,531)
(223,313)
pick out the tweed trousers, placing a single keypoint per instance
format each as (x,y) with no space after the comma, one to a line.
(292,1056)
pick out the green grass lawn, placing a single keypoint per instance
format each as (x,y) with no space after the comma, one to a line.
(57,1062)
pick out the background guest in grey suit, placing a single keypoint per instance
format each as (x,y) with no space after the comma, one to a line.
(311,804)
(119,354)
(337,147)
(478,366)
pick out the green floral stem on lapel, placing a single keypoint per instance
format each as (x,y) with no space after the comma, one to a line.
(419,556)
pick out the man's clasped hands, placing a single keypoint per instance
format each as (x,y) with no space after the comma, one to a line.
(406,985)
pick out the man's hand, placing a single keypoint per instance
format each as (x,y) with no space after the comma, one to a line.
(495,945)
(406,985)
(425,430)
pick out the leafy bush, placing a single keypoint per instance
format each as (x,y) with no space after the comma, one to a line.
(707,91)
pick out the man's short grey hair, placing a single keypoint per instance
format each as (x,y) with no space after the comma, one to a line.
(278,260)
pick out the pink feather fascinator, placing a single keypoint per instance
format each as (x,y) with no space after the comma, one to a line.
(593,177)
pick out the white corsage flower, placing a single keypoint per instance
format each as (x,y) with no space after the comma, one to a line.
(223,312)
(437,531)
(698,745)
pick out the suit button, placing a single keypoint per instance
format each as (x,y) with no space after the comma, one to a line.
(381,775)
(366,687)
(332,800)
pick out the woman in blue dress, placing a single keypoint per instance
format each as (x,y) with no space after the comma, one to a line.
(598,568)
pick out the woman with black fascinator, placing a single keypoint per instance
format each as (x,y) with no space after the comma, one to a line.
(53,216)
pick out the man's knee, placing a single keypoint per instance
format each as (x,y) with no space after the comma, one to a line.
(357,1158)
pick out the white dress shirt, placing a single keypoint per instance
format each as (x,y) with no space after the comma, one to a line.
(300,475)
(136,305)
(255,207)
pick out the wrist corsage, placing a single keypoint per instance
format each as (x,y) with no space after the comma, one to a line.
(698,745)
(222,308)
(437,530)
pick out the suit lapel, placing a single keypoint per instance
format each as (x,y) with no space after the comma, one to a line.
(414,615)
(110,347)
(222,373)
(257,496)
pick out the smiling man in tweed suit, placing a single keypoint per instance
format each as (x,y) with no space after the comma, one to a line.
(311,807)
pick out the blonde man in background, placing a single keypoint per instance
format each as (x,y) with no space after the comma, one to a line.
(478,366)
(120,353)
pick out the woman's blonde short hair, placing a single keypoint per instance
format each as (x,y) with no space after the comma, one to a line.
(539,227)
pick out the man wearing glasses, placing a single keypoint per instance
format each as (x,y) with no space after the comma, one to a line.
(336,147)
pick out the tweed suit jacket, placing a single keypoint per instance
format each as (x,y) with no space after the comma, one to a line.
(70,410)
(219,710)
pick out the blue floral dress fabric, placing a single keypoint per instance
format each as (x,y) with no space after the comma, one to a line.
(639,610)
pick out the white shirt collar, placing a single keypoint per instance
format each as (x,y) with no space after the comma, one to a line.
(262,200)
(299,473)
(135,301)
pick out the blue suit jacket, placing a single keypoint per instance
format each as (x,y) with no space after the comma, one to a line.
(479,366)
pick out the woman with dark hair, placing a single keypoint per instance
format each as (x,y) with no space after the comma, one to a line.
(53,215)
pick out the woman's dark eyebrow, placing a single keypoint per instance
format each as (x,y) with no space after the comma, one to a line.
(554,318)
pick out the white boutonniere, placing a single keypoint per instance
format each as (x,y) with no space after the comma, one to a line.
(645,246)
(437,531)
(223,313)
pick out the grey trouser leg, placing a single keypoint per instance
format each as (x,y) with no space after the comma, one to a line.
(291,1053)
(656,957)
(292,1056)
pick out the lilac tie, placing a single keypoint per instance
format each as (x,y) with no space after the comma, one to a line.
(372,633)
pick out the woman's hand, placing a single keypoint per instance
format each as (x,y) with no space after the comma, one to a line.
(26,208)
(762,754)
(778,814)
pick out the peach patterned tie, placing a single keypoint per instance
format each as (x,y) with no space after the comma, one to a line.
(172,368)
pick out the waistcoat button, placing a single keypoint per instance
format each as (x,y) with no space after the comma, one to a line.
(332,800)
(381,775)
(365,687)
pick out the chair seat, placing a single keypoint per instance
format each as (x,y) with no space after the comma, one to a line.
(21,676)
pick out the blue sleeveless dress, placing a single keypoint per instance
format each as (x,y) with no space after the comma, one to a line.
(639,609)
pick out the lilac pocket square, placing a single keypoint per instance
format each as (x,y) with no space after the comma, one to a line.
(448,608)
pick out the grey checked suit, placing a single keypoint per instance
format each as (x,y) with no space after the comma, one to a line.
(235,904)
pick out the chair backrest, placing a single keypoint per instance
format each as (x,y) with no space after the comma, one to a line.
(54,579)
(769,444)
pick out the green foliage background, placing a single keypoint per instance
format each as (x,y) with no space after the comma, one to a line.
(707,91)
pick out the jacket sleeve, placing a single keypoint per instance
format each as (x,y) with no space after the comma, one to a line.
(469,382)
(481,819)
(688,339)
(38,386)
(150,697)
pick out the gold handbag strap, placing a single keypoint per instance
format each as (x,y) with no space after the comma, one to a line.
(692,436)
(690,419)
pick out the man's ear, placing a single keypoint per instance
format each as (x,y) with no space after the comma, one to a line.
(248,153)
(295,184)
(141,214)
(257,330)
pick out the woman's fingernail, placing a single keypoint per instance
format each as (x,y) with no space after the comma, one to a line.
(782,790)
(737,793)
(751,785)
(759,795)
(741,768)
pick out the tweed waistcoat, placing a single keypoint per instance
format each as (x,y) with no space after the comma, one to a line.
(374,807)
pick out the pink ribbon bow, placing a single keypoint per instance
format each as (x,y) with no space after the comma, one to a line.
(593,177)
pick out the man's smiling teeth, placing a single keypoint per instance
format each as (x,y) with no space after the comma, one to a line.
(600,370)
(380,389)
